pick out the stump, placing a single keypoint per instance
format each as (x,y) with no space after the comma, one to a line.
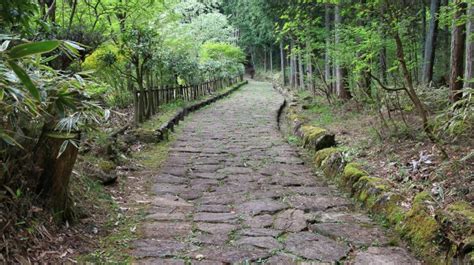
(55,171)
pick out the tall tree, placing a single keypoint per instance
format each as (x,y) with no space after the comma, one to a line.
(282,63)
(430,43)
(327,58)
(458,44)
(341,88)
(469,65)
(301,69)
(293,76)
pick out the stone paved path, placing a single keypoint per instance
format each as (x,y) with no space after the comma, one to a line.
(233,190)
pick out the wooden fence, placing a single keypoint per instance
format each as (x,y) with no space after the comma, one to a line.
(147,101)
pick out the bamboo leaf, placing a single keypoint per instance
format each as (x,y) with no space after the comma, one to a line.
(27,49)
(4,46)
(62,148)
(8,139)
(25,79)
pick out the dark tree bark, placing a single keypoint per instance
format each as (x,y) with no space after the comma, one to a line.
(48,9)
(458,44)
(73,13)
(282,62)
(271,58)
(309,66)
(301,70)
(341,86)
(383,64)
(327,58)
(469,65)
(264,59)
(293,79)
(430,43)
(55,171)
(423,25)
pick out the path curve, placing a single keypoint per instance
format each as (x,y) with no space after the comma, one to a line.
(233,190)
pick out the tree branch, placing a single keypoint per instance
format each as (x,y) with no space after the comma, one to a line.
(384,86)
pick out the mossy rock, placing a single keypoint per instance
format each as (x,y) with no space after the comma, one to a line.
(322,154)
(316,138)
(102,171)
(368,189)
(352,173)
(420,228)
(333,165)
(457,224)
(106,165)
(388,205)
(145,135)
(295,117)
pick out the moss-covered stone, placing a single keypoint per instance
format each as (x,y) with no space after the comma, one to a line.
(388,205)
(145,135)
(352,173)
(106,165)
(333,165)
(420,227)
(463,209)
(316,138)
(457,223)
(311,133)
(322,154)
(367,189)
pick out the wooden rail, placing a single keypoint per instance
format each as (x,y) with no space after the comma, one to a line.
(147,101)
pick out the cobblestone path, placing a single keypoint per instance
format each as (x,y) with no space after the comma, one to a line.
(232,190)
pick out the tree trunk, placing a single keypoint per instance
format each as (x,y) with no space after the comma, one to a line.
(293,81)
(73,12)
(341,88)
(271,59)
(423,25)
(469,65)
(445,42)
(282,63)
(430,44)
(458,43)
(51,13)
(301,70)
(309,66)
(327,58)
(264,60)
(56,169)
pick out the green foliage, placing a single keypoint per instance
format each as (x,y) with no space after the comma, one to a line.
(458,119)
(222,51)
(103,58)
(16,14)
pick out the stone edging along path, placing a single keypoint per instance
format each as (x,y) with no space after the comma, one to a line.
(442,236)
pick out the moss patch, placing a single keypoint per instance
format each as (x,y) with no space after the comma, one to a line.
(352,173)
(106,165)
(462,208)
(420,228)
(367,189)
(311,133)
(322,154)
(154,155)
(456,221)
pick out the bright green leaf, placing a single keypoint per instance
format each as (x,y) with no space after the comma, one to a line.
(27,49)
